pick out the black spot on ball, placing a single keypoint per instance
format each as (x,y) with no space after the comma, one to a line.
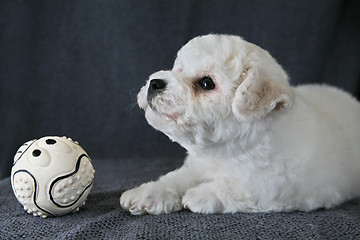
(50,141)
(36,153)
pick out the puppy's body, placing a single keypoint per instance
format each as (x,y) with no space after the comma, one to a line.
(254,143)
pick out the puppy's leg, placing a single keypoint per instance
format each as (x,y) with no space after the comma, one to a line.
(161,196)
(203,199)
(217,197)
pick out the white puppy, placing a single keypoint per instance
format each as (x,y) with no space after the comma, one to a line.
(254,143)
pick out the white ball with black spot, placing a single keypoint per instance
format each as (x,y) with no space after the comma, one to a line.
(51,176)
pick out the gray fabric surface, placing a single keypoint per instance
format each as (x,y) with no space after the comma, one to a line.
(102,217)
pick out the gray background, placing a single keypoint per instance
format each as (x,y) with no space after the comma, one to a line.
(74,67)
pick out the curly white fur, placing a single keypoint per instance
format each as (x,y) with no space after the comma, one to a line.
(254,143)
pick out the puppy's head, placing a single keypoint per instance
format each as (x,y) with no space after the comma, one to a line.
(217,83)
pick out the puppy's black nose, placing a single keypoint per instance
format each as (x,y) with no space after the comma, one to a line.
(155,87)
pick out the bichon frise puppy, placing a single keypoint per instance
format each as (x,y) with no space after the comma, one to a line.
(254,143)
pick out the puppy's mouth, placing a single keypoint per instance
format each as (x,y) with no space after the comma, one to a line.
(164,107)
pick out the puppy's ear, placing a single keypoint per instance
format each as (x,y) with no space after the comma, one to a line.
(263,87)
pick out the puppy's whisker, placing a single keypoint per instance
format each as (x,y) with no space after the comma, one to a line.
(130,107)
(133,94)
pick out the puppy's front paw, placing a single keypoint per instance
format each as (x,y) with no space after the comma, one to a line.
(202,200)
(152,198)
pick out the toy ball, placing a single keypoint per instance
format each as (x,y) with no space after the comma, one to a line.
(51,176)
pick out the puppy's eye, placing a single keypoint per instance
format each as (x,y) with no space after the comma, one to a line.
(206,83)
